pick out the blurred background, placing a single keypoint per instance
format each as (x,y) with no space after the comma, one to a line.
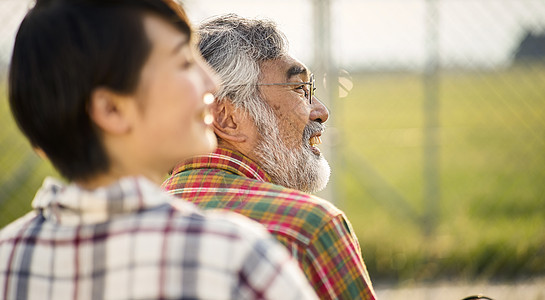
(436,137)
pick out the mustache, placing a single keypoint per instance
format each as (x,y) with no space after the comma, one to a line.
(311,128)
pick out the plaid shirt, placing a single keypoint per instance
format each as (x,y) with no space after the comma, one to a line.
(316,233)
(133,241)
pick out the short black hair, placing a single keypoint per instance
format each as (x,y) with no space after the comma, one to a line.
(63,50)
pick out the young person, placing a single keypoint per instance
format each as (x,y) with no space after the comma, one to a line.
(111,91)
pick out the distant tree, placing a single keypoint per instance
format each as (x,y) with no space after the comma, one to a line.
(531,47)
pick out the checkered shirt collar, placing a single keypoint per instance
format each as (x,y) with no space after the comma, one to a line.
(72,205)
(228,160)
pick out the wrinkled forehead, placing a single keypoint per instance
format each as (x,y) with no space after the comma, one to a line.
(284,69)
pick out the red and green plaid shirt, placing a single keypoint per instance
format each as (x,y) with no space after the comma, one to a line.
(316,233)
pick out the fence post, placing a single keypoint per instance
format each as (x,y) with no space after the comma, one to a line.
(431,120)
(324,66)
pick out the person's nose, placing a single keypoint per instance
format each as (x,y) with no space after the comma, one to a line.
(319,112)
(210,78)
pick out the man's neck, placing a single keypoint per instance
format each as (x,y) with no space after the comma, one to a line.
(244,149)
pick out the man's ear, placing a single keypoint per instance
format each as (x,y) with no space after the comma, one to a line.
(109,111)
(228,123)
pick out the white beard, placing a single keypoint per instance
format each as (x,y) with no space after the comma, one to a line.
(298,168)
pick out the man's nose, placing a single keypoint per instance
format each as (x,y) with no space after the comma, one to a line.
(319,112)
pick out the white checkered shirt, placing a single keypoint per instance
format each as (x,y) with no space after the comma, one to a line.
(132,241)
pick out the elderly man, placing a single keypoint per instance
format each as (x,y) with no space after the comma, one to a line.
(113,120)
(268,123)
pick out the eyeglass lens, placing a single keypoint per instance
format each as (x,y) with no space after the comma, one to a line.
(311,92)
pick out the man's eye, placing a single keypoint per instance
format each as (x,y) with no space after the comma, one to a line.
(303,88)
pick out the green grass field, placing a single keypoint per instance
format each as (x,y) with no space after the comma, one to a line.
(491,216)
(22,171)
(491,143)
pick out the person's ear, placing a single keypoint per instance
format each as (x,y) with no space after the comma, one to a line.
(227,121)
(109,111)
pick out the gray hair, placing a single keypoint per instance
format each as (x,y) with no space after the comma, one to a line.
(235,47)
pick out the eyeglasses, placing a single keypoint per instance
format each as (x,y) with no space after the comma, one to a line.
(309,93)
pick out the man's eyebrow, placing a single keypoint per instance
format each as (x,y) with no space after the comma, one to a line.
(179,46)
(296,70)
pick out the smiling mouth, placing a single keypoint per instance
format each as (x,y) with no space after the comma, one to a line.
(315,140)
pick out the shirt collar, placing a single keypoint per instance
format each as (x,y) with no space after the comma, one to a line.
(228,160)
(73,205)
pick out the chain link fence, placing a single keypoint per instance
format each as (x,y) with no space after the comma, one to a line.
(437,134)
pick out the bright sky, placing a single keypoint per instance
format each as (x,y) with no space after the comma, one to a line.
(372,33)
